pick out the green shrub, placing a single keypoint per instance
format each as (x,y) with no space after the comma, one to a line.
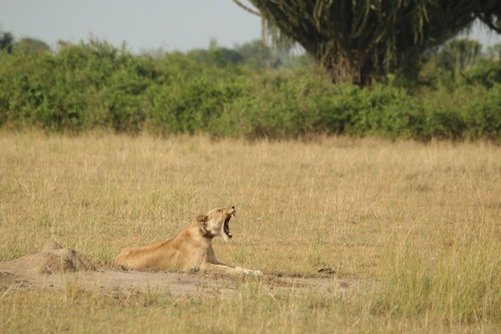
(95,85)
(482,115)
(190,106)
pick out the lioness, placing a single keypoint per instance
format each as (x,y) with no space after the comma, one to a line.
(189,250)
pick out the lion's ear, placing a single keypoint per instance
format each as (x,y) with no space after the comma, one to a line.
(202,218)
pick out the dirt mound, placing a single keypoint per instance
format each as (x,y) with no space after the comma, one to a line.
(53,258)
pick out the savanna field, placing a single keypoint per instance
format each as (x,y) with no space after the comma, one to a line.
(365,171)
(414,229)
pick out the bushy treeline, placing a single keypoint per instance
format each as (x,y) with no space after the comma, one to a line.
(97,86)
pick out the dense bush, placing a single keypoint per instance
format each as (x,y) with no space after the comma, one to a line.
(94,85)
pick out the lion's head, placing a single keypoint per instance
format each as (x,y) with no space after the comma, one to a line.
(217,222)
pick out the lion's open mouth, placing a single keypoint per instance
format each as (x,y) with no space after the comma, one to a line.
(226,226)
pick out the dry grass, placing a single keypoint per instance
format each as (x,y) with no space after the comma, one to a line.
(422,221)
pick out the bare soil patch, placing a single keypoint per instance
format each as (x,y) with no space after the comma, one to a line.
(54,267)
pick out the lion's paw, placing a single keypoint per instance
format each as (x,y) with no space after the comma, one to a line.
(253,272)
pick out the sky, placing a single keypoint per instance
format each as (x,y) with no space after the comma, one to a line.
(144,25)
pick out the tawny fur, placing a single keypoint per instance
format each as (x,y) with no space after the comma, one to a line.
(189,250)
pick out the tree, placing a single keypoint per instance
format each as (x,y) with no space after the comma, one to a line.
(487,69)
(216,55)
(363,40)
(494,51)
(459,54)
(450,62)
(6,40)
(31,45)
(258,54)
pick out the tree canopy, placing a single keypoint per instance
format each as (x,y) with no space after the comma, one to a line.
(360,41)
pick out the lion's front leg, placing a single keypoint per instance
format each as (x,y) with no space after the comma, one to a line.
(230,269)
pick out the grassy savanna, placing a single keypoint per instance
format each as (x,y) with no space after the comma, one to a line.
(418,226)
